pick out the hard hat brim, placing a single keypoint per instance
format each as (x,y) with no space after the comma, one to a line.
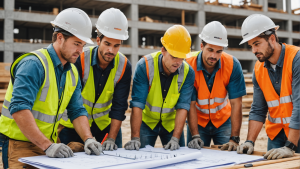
(113,35)
(214,43)
(178,54)
(87,40)
(253,36)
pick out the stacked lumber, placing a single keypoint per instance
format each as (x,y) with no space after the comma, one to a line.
(248,99)
(4,80)
(275,10)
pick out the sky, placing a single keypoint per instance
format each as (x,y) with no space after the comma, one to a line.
(295,3)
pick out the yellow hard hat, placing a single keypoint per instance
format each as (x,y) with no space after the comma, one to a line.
(177,41)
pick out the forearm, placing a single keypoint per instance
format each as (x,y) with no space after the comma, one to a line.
(114,128)
(294,136)
(82,127)
(236,116)
(193,119)
(136,121)
(179,122)
(29,128)
(254,129)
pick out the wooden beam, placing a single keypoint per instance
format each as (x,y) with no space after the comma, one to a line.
(182,17)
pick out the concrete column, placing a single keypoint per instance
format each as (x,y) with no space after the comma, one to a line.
(290,29)
(9,6)
(200,22)
(288,5)
(265,5)
(134,34)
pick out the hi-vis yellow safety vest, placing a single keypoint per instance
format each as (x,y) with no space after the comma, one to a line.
(47,108)
(156,108)
(98,111)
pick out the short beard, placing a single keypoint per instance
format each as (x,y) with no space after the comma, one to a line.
(64,56)
(103,56)
(269,53)
(209,62)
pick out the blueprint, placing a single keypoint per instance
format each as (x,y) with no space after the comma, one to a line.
(148,157)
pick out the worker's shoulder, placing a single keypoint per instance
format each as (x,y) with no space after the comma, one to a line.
(30,60)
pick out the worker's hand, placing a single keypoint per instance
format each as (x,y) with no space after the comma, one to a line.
(133,144)
(230,146)
(59,150)
(247,146)
(92,146)
(173,144)
(196,143)
(109,144)
(277,153)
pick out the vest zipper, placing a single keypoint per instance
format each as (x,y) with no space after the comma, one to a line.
(59,104)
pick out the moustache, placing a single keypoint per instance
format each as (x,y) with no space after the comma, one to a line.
(256,53)
(212,59)
(109,54)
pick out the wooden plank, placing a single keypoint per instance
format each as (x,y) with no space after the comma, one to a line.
(182,17)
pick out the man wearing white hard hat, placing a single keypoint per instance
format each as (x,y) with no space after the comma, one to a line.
(43,84)
(105,75)
(216,107)
(276,80)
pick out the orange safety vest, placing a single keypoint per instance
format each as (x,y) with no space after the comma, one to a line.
(213,106)
(280,107)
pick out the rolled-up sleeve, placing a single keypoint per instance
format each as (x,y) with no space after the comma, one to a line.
(140,85)
(186,91)
(236,87)
(295,119)
(26,83)
(75,107)
(259,107)
(120,97)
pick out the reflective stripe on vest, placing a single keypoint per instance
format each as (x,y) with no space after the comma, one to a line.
(278,120)
(47,83)
(97,105)
(275,103)
(224,102)
(159,109)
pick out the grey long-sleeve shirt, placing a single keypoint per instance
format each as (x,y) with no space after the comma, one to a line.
(259,106)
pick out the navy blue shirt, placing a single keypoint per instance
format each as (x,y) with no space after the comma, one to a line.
(121,91)
(141,85)
(29,76)
(259,106)
(236,86)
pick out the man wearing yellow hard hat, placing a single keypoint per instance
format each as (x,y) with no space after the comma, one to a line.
(161,93)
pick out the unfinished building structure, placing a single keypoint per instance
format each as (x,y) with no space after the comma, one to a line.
(25,26)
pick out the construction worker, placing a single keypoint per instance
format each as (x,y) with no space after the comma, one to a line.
(218,77)
(105,74)
(43,84)
(276,80)
(161,93)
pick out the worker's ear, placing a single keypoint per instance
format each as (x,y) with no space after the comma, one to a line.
(201,46)
(98,41)
(60,38)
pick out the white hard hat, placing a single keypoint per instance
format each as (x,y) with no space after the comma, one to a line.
(113,23)
(75,21)
(254,25)
(214,33)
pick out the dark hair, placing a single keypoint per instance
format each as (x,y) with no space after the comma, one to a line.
(101,36)
(57,30)
(203,43)
(267,34)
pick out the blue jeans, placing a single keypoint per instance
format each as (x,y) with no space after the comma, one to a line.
(68,135)
(279,141)
(149,136)
(219,135)
(4,141)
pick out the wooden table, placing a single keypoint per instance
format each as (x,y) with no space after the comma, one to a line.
(285,163)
